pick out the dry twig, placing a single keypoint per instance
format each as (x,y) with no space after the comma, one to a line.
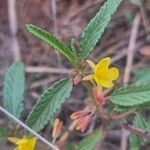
(145,18)
(128,68)
(42,69)
(54,17)
(136,130)
(13,29)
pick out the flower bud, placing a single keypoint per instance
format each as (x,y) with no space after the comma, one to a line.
(83,123)
(57,128)
(77,79)
(98,96)
(79,114)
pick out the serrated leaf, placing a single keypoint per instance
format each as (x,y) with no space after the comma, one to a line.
(136,141)
(14,89)
(49,102)
(52,41)
(72,46)
(93,32)
(132,95)
(119,108)
(142,76)
(90,142)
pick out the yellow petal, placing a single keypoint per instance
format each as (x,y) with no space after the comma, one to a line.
(13,139)
(103,82)
(88,77)
(91,64)
(21,141)
(103,64)
(26,144)
(112,73)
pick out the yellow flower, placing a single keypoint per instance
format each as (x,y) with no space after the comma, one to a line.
(24,143)
(102,75)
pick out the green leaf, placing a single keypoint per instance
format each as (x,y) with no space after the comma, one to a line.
(136,141)
(52,41)
(90,142)
(14,89)
(49,102)
(119,108)
(72,46)
(69,146)
(93,32)
(132,95)
(142,76)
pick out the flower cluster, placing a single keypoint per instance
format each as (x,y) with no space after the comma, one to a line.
(83,118)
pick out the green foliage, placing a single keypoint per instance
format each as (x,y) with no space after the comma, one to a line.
(49,102)
(3,132)
(132,95)
(136,141)
(69,146)
(14,89)
(52,41)
(142,76)
(90,142)
(72,46)
(93,32)
(120,109)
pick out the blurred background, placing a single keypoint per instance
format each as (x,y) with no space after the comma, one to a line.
(66,19)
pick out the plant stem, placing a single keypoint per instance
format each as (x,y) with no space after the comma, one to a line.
(114,117)
(136,130)
(66,134)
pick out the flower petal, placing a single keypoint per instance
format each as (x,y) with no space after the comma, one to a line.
(103,82)
(24,143)
(91,64)
(88,77)
(112,73)
(13,139)
(103,64)
(79,114)
(28,145)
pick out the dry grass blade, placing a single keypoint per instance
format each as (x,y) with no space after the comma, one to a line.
(13,29)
